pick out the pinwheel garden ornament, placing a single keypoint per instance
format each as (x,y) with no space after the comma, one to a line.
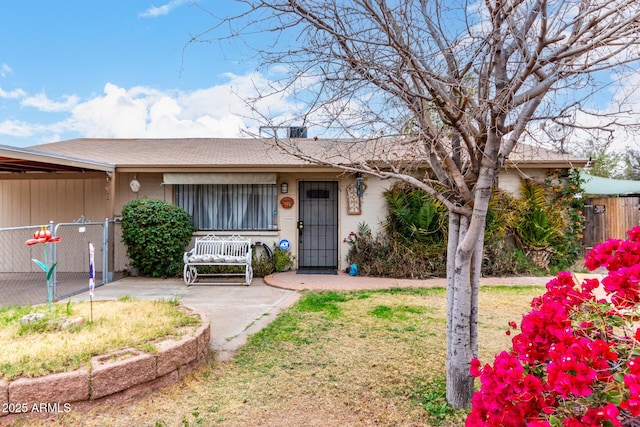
(45,236)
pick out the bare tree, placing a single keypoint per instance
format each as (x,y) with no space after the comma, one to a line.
(455,84)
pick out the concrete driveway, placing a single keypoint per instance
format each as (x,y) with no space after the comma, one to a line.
(235,311)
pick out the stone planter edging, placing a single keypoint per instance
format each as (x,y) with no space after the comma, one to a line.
(123,373)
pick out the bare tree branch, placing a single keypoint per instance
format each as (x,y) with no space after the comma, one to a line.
(447,86)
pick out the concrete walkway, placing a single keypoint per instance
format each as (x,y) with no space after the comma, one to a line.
(343,282)
(237,311)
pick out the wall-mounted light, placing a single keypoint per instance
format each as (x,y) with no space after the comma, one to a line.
(134,185)
(360,184)
(284,188)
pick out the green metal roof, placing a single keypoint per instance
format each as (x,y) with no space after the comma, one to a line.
(607,186)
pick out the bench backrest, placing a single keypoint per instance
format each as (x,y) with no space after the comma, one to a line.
(226,246)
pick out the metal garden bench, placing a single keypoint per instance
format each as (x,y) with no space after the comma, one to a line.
(210,250)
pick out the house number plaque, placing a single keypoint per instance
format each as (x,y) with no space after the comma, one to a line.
(286,202)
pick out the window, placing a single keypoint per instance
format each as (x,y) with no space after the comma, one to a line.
(229,206)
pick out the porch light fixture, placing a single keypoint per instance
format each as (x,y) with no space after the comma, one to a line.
(134,185)
(284,188)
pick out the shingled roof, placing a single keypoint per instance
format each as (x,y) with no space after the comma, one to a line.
(179,153)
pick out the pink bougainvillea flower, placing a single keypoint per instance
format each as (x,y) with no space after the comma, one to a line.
(601,255)
(622,286)
(597,417)
(574,362)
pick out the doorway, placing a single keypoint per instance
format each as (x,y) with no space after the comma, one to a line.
(318,225)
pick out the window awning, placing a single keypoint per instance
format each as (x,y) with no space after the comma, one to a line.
(178,178)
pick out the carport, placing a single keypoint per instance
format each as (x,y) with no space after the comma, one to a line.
(42,189)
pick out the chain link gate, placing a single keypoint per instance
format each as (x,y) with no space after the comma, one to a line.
(22,282)
(71,275)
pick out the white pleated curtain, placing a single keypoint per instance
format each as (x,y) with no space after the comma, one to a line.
(227,201)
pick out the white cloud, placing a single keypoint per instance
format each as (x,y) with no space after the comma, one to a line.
(218,111)
(16,128)
(4,70)
(155,11)
(42,103)
(119,113)
(144,112)
(14,94)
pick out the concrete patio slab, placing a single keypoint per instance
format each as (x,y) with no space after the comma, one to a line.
(235,311)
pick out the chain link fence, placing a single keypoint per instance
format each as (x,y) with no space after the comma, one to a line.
(22,282)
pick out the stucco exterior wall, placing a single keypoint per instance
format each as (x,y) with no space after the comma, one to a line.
(38,201)
(150,187)
(511,180)
(373,212)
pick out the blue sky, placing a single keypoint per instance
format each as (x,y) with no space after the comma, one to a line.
(116,68)
(119,69)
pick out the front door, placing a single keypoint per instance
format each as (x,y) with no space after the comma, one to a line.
(318,225)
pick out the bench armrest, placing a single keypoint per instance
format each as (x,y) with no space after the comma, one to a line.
(186,255)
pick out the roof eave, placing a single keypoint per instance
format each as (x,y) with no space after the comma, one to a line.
(41,157)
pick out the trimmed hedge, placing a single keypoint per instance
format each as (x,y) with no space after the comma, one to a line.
(156,234)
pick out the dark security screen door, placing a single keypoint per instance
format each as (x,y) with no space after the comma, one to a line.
(318,230)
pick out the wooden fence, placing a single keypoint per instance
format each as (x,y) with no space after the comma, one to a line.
(609,218)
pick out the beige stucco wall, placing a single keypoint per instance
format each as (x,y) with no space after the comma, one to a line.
(150,187)
(373,212)
(511,180)
(38,201)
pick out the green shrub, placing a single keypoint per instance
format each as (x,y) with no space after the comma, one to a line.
(399,258)
(262,264)
(273,261)
(568,193)
(414,215)
(282,260)
(156,234)
(538,233)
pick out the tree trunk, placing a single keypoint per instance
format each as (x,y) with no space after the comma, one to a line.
(459,381)
(463,282)
(462,310)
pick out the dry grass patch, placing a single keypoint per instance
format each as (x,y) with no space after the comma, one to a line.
(42,347)
(333,359)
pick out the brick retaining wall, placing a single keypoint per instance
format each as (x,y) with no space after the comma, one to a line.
(128,371)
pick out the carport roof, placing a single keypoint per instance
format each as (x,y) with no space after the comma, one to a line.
(23,160)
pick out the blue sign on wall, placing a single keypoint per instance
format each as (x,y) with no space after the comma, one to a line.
(284,245)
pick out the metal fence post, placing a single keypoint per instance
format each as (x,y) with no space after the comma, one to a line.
(105,253)
(54,260)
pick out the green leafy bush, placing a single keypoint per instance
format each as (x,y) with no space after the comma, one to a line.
(568,192)
(388,257)
(273,261)
(414,215)
(282,260)
(156,234)
(538,233)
